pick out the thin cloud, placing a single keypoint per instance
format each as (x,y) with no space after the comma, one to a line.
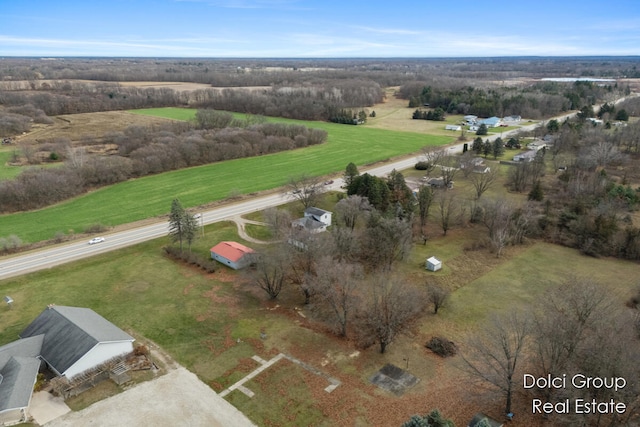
(401,32)
(248,4)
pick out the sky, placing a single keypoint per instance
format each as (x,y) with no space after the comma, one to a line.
(318,28)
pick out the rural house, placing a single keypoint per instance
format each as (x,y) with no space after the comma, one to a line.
(471,119)
(491,122)
(525,156)
(232,254)
(69,340)
(77,339)
(315,220)
(511,120)
(438,183)
(19,366)
(453,127)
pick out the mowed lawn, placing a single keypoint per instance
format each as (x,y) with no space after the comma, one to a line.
(151,196)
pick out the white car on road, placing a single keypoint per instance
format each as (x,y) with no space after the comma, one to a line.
(96,240)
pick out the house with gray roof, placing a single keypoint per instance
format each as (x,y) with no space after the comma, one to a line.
(70,340)
(315,220)
(77,339)
(19,366)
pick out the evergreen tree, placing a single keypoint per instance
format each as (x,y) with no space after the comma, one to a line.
(190,229)
(373,188)
(482,130)
(350,173)
(487,148)
(177,222)
(553,126)
(622,115)
(536,192)
(477,146)
(182,225)
(401,194)
(498,148)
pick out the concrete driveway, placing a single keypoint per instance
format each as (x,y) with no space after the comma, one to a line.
(178,398)
(45,407)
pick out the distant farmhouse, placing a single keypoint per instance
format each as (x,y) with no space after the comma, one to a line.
(470,119)
(491,122)
(511,120)
(453,127)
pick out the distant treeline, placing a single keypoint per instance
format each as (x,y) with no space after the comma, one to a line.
(317,101)
(310,102)
(143,151)
(536,101)
(270,72)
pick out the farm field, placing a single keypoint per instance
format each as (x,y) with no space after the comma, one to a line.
(151,196)
(211,324)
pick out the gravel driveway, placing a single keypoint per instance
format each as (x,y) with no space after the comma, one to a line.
(178,398)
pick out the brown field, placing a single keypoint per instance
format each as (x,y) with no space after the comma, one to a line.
(78,126)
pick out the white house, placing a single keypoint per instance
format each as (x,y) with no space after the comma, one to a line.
(77,339)
(537,145)
(453,127)
(525,156)
(471,119)
(315,220)
(433,264)
(512,119)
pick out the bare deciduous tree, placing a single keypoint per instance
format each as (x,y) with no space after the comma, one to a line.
(483,181)
(437,296)
(279,221)
(425,199)
(432,157)
(561,322)
(350,209)
(336,284)
(305,189)
(494,355)
(303,249)
(346,243)
(389,309)
(497,217)
(386,240)
(270,272)
(449,168)
(447,210)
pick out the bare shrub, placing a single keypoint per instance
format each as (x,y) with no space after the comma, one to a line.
(442,347)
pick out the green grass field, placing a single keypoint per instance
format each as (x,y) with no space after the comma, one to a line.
(151,196)
(7,172)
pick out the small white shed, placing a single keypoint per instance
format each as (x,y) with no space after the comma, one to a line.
(433,264)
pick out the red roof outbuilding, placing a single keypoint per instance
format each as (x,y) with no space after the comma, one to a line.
(232,251)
